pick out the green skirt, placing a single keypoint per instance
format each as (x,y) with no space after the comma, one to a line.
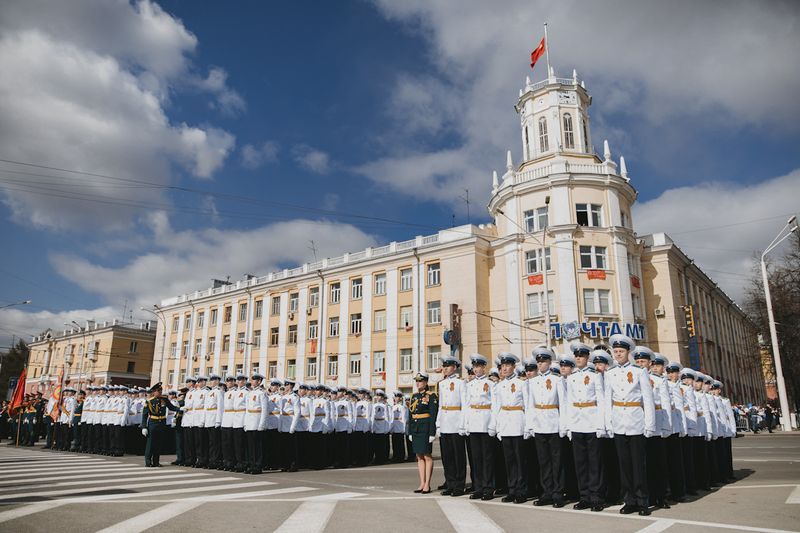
(420,431)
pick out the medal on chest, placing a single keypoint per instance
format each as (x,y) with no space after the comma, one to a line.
(630,377)
(548,384)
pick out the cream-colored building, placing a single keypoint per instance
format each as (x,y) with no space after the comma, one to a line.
(561,240)
(96,353)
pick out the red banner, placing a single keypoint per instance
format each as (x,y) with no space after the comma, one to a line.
(19,394)
(596,274)
(313,346)
(54,414)
(536,279)
(635,282)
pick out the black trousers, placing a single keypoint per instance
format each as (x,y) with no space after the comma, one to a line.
(255,455)
(687,451)
(608,451)
(454,460)
(398,447)
(588,467)
(316,450)
(49,428)
(570,477)
(500,475)
(152,451)
(180,455)
(516,468)
(239,449)
(360,447)
(677,478)
(657,472)
(106,447)
(271,449)
(712,449)
(226,441)
(86,432)
(701,472)
(189,447)
(288,443)
(727,467)
(380,445)
(631,451)
(342,441)
(482,468)
(551,468)
(470,463)
(201,445)
(534,483)
(214,447)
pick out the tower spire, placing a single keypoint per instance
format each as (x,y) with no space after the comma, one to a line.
(495,182)
(509,162)
(606,151)
(623,170)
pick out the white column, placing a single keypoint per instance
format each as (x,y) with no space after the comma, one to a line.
(262,350)
(232,333)
(344,331)
(567,278)
(179,348)
(204,337)
(282,328)
(619,253)
(218,343)
(302,329)
(366,331)
(513,296)
(391,329)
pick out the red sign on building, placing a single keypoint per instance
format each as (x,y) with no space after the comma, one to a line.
(536,279)
(596,274)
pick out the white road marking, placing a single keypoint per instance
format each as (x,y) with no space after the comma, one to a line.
(235,496)
(71,466)
(467,518)
(50,460)
(26,510)
(335,496)
(778,485)
(114,482)
(152,518)
(81,475)
(39,473)
(184,490)
(658,526)
(794,497)
(310,517)
(114,486)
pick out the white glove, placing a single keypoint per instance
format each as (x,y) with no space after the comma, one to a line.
(648,433)
(184,408)
(569,434)
(500,438)
(600,433)
(462,433)
(34,420)
(492,433)
(526,436)
(562,434)
(246,430)
(144,431)
(430,439)
(411,438)
(437,433)
(291,432)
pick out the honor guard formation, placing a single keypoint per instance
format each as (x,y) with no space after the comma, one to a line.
(598,426)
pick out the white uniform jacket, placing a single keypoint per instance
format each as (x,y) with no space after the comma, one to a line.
(227,407)
(663,404)
(255,415)
(690,411)
(452,405)
(584,402)
(290,411)
(319,415)
(273,410)
(478,414)
(214,407)
(629,401)
(678,403)
(381,418)
(400,417)
(362,412)
(239,407)
(509,398)
(546,401)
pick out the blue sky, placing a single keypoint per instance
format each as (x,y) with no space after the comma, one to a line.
(381,109)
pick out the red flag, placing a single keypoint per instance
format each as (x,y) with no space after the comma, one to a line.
(19,394)
(539,52)
(54,414)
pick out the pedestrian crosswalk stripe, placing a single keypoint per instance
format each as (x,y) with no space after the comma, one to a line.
(115,486)
(95,466)
(71,474)
(115,481)
(69,470)
(466,517)
(152,518)
(253,494)
(26,510)
(336,496)
(6,460)
(309,517)
(17,464)
(181,491)
(658,526)
(43,466)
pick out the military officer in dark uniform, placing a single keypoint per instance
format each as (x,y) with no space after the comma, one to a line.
(154,422)
(422,429)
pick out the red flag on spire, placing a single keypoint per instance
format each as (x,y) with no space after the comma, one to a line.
(19,394)
(539,52)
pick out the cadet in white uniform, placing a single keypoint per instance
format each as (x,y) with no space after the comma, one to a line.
(290,411)
(343,428)
(255,422)
(226,428)
(630,416)
(585,421)
(728,422)
(362,413)
(399,424)
(301,425)
(508,409)
(450,427)
(380,424)
(271,448)
(239,408)
(677,477)
(199,422)
(657,471)
(480,429)
(213,411)
(705,434)
(318,428)
(187,423)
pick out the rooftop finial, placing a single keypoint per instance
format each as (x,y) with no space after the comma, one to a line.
(574,76)
(606,151)
(623,170)
(495,182)
(527,81)
(509,162)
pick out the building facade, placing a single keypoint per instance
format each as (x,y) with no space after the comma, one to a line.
(97,353)
(561,255)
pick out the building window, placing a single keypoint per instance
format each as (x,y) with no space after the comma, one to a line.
(174,349)
(536,304)
(133,348)
(272,368)
(637,305)
(406,319)
(569,132)
(434,355)
(226,343)
(293,334)
(434,274)
(183,376)
(294,299)
(311,367)
(239,369)
(405,360)
(527,144)
(175,324)
(198,346)
(634,265)
(589,215)
(291,368)
(212,345)
(333,326)
(185,348)
(313,329)
(434,314)
(259,308)
(380,284)
(355,364)
(379,362)
(355,324)
(187,322)
(276,306)
(257,337)
(379,320)
(596,301)
(544,144)
(333,365)
(406,277)
(313,297)
(213,317)
(240,341)
(593,257)
(273,336)
(228,312)
(535,219)
(624,218)
(356,289)
(533,260)
(171,378)
(224,370)
(336,292)
(131,367)
(200,319)
(209,370)
(242,312)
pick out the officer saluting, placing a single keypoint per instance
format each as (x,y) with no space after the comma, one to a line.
(154,421)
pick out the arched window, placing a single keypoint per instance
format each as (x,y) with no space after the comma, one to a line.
(543,144)
(527,145)
(569,135)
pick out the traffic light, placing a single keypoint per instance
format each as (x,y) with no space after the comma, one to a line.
(688,314)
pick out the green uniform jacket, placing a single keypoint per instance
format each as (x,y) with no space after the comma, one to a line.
(155,411)
(422,412)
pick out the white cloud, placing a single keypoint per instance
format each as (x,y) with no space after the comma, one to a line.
(185,261)
(311,159)
(744,220)
(23,324)
(228,101)
(254,157)
(671,64)
(81,95)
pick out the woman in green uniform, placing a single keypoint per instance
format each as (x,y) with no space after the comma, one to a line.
(422,429)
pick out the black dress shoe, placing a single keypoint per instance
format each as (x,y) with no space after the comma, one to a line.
(442,486)
(644,511)
(507,499)
(558,504)
(426,491)
(581,505)
(158,465)
(457,492)
(596,508)
(418,491)
(475,496)
(500,492)
(447,492)
(541,502)
(520,499)
(487,497)
(468,489)
(662,504)
(628,509)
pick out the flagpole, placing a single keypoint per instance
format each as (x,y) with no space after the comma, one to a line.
(547,49)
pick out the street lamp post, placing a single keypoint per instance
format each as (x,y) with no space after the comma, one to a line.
(782,397)
(160,316)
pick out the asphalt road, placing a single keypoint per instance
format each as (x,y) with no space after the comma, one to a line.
(59,492)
